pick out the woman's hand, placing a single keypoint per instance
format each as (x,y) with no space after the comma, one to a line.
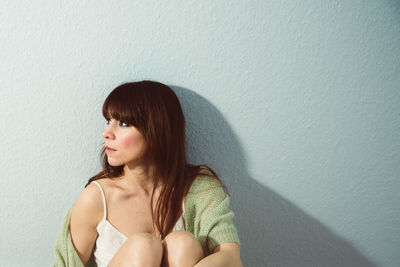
(226,254)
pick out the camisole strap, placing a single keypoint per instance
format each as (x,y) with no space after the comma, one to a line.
(104,199)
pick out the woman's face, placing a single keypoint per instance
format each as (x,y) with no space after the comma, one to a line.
(126,143)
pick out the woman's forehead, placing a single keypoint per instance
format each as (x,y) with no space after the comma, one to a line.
(115,115)
(112,113)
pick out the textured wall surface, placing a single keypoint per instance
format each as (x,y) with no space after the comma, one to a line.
(294,103)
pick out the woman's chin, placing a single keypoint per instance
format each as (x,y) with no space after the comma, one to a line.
(114,163)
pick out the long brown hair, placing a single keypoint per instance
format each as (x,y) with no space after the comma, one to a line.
(154,109)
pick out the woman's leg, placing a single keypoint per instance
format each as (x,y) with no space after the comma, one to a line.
(141,249)
(181,249)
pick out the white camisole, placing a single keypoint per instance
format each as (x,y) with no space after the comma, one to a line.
(109,239)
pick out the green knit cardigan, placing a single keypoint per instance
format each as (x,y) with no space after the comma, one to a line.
(207,216)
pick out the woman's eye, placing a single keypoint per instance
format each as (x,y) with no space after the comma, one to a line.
(117,123)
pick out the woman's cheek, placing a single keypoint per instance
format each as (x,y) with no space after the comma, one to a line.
(130,142)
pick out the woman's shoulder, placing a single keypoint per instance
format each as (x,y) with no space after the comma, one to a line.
(205,179)
(89,203)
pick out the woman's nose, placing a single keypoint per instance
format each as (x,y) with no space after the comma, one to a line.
(107,133)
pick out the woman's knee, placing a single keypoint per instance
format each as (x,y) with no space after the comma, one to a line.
(141,249)
(182,248)
(145,242)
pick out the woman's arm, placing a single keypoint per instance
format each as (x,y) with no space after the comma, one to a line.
(209,217)
(226,254)
(86,214)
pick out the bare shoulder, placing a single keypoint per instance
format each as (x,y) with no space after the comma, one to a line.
(89,205)
(86,214)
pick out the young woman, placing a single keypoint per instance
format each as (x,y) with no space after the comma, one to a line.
(148,206)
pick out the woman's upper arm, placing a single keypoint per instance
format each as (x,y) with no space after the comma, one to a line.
(86,214)
(208,215)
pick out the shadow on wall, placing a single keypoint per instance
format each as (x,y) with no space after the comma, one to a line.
(272,231)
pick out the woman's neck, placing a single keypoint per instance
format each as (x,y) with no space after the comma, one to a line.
(139,178)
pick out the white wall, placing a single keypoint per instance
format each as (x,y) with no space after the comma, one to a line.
(294,103)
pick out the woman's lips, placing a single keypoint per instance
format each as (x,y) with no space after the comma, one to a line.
(109,149)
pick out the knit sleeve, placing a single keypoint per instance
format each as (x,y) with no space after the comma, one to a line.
(209,216)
